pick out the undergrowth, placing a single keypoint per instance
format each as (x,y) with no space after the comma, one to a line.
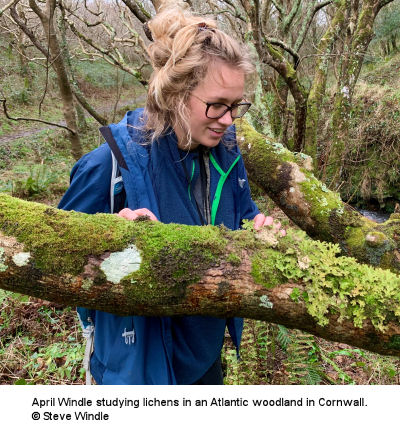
(40,342)
(371,161)
(274,355)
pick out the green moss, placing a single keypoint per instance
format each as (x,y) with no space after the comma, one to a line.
(370,245)
(234,259)
(263,270)
(355,238)
(323,203)
(61,241)
(257,146)
(174,256)
(376,238)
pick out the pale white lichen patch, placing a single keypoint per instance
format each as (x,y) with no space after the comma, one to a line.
(87,284)
(304,160)
(370,238)
(3,267)
(265,303)
(121,264)
(267,235)
(304,262)
(21,259)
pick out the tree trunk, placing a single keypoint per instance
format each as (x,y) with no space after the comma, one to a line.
(359,35)
(56,60)
(277,61)
(318,87)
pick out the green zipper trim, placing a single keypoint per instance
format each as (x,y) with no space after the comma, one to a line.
(218,192)
(190,197)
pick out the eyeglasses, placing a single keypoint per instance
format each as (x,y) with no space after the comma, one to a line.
(218,110)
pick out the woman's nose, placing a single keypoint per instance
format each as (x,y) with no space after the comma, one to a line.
(226,119)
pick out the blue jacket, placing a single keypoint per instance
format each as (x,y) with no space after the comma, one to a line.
(165,350)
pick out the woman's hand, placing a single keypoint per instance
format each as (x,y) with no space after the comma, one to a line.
(131,215)
(261,221)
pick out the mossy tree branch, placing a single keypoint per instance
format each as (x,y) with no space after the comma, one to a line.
(145,268)
(288,179)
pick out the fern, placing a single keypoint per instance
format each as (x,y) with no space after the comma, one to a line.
(302,361)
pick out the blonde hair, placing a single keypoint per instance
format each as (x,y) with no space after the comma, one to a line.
(182,50)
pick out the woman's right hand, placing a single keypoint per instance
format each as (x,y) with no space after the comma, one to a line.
(131,215)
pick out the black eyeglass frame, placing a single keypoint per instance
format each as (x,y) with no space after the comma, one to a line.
(228,108)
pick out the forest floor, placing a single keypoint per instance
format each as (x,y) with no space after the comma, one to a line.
(42,343)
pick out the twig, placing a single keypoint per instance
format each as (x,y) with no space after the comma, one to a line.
(4,101)
(8,5)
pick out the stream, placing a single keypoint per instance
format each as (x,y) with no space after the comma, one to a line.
(376,216)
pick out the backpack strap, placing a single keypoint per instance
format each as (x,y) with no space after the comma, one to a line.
(117,191)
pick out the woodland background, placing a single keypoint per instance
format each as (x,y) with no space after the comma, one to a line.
(327,85)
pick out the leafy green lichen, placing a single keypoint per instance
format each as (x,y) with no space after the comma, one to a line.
(332,283)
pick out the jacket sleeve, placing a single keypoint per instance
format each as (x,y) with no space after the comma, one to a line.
(89,192)
(89,189)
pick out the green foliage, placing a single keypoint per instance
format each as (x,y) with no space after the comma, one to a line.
(302,361)
(370,169)
(387,24)
(102,75)
(37,182)
(57,362)
(274,354)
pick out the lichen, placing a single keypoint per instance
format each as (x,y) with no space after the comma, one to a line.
(174,256)
(21,258)
(375,238)
(265,303)
(332,283)
(321,200)
(3,267)
(61,241)
(122,263)
(368,245)
(87,284)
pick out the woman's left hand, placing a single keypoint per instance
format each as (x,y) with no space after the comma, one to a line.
(261,221)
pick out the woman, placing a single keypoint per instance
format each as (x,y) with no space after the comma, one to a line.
(179,162)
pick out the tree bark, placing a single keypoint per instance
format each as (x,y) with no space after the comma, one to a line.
(57,62)
(318,87)
(144,268)
(358,37)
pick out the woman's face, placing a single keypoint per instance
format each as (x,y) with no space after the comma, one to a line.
(222,84)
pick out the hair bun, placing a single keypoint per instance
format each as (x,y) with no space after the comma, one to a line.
(173,32)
